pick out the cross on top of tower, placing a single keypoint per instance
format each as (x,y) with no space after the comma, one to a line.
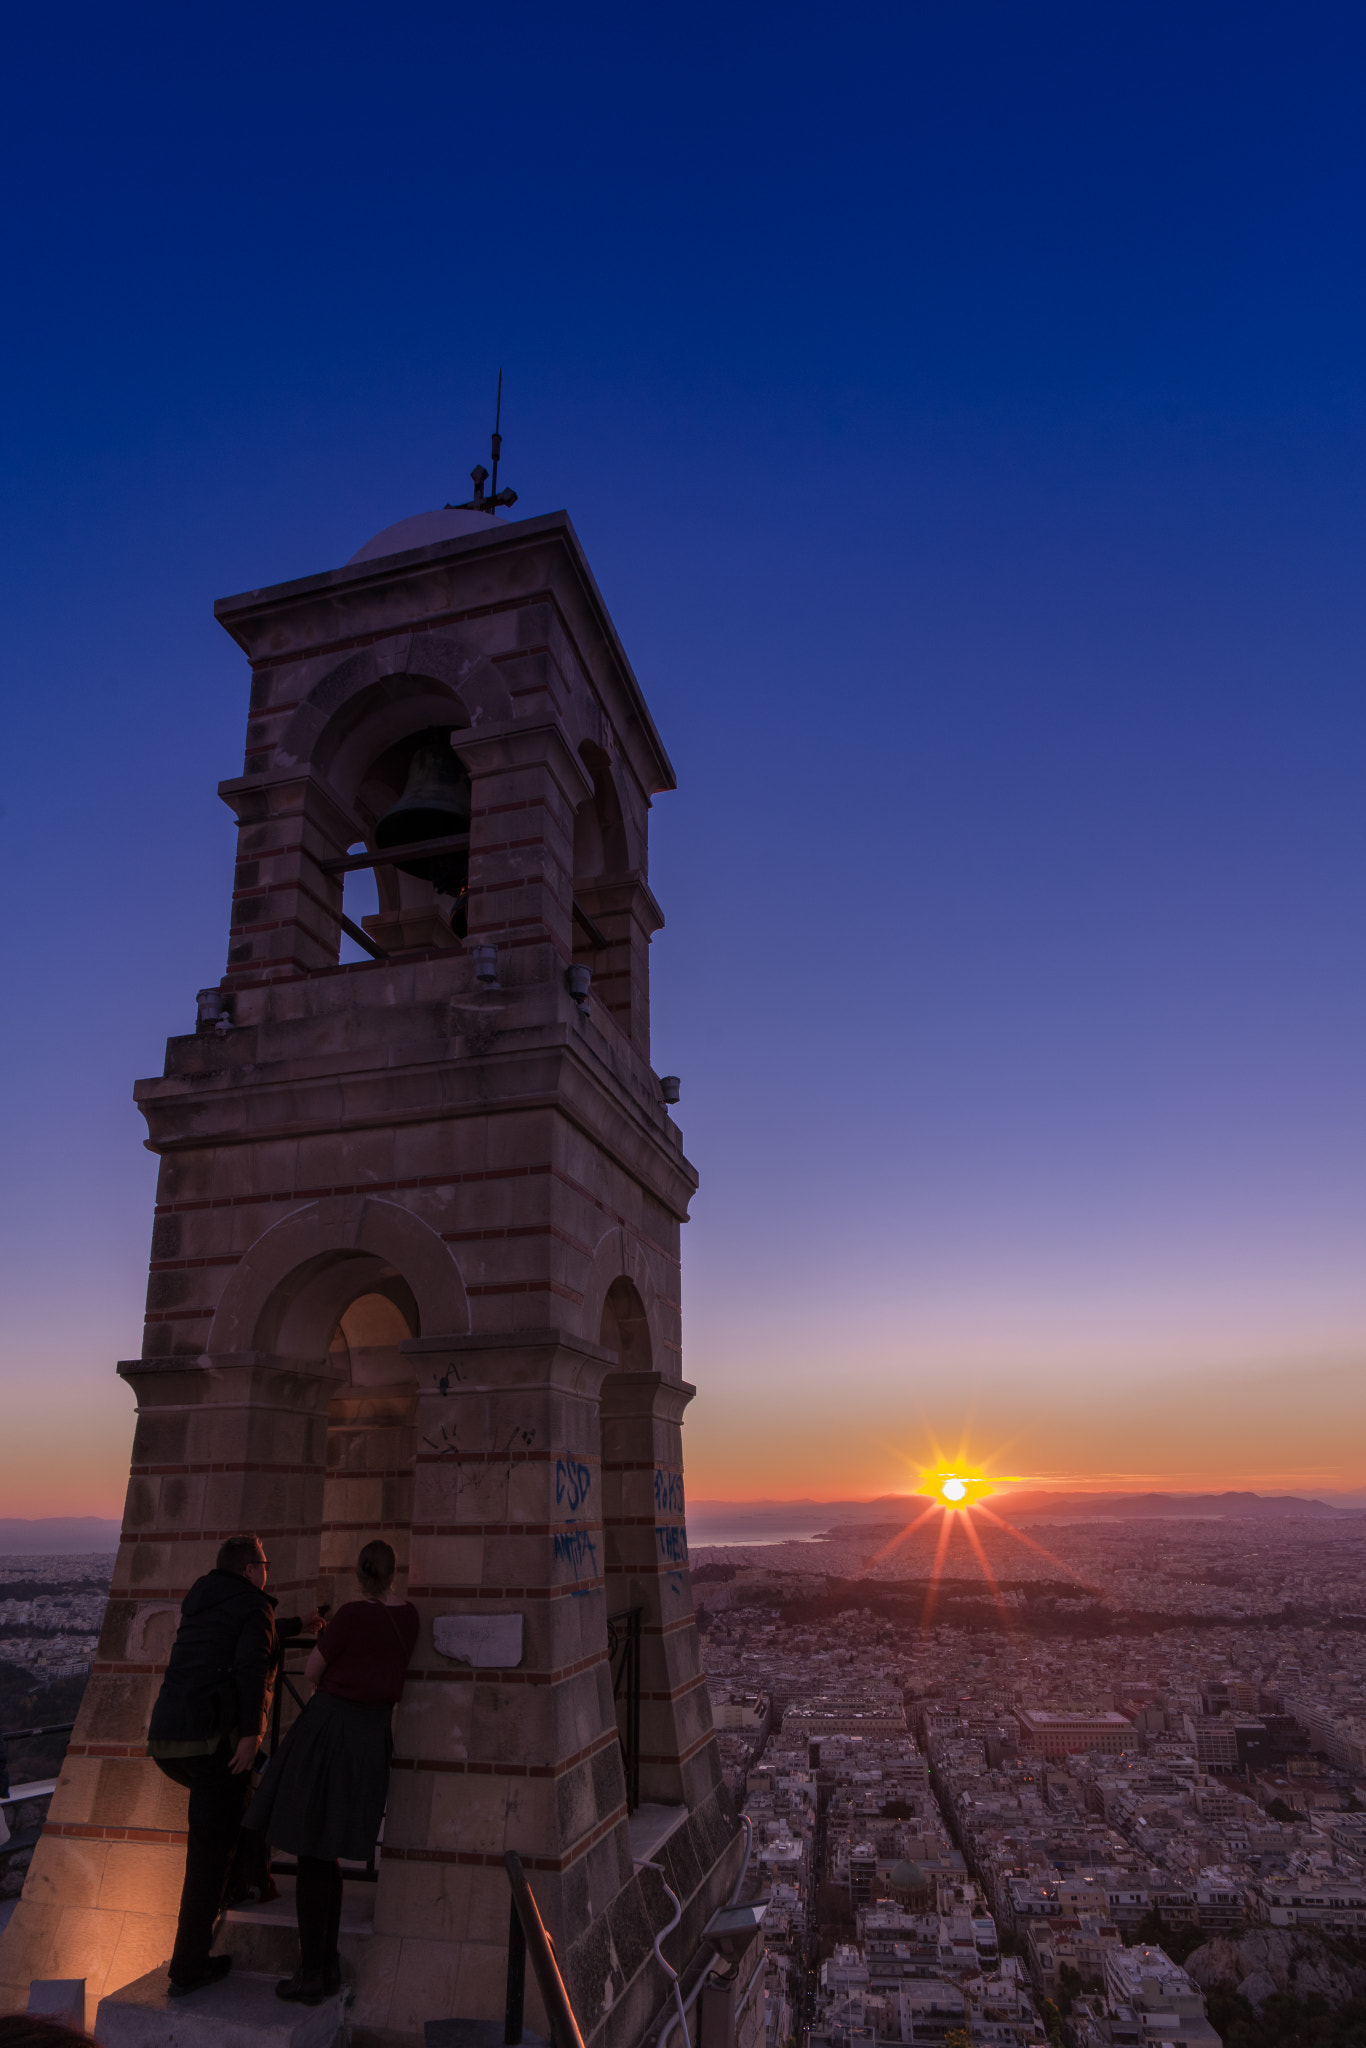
(479,476)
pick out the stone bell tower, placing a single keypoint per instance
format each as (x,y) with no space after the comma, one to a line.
(415,1272)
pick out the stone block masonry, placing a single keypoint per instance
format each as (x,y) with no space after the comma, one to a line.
(415,1273)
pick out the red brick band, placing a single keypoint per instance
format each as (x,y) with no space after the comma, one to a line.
(465,1767)
(94,1831)
(510,1529)
(244,1465)
(576,1591)
(465,1674)
(493,1860)
(681,1756)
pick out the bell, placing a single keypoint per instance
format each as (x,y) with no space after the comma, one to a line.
(435,804)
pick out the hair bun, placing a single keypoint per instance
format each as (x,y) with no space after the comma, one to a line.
(375,1567)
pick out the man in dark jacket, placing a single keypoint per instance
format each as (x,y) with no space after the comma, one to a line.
(205,1732)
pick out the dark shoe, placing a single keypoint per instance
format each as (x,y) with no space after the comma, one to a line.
(305,1987)
(259,1893)
(332,1976)
(214,1968)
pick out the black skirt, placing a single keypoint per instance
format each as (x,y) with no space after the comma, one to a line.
(324,1790)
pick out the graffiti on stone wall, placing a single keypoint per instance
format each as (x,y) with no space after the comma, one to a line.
(474,1467)
(577,1549)
(573,1482)
(672,1541)
(574,1546)
(668,1492)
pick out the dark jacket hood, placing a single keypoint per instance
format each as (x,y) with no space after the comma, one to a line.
(224,1589)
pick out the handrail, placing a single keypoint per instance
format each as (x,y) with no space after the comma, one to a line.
(710,1956)
(281,1682)
(665,1965)
(15,1734)
(564,2028)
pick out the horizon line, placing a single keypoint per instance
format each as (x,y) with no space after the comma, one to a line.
(1138,1488)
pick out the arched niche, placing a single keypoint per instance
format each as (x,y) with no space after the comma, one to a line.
(600,842)
(625,1327)
(371,1439)
(608,937)
(644,1544)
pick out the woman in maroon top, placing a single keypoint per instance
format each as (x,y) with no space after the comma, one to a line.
(323,1794)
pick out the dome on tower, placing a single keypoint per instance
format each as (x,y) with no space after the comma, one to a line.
(424,528)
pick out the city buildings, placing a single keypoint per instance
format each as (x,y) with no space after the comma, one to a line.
(1003,1855)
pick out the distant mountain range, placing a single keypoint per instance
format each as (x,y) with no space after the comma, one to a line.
(58,1536)
(773,1521)
(1132,1507)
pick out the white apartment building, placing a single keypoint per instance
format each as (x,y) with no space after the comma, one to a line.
(1169,2005)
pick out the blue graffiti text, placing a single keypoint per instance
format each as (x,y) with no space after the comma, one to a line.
(572,1483)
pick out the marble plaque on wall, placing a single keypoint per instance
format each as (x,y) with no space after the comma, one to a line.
(479,1639)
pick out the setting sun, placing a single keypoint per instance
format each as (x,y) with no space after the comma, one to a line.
(956,1486)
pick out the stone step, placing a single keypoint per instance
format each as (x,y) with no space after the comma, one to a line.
(263,1938)
(240,2011)
(475,2034)
(357,1913)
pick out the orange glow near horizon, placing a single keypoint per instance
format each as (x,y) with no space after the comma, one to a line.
(70,1438)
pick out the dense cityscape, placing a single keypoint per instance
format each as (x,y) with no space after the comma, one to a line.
(1113,1794)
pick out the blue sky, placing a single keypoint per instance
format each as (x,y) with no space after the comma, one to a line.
(964,410)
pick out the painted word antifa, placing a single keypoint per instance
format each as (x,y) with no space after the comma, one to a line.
(575,1547)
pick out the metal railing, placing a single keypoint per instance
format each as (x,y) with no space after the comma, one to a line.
(623,1651)
(9,1735)
(282,1683)
(526,1931)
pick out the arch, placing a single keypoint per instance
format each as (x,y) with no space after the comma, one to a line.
(625,1327)
(378,696)
(290,1291)
(619,1258)
(599,826)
